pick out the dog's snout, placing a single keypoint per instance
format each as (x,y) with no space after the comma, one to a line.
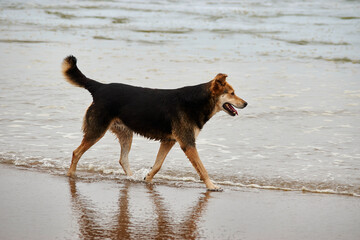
(245,104)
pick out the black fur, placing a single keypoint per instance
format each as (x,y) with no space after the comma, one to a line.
(153,113)
(168,115)
(75,76)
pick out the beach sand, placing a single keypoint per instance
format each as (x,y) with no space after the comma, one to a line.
(296,63)
(39,205)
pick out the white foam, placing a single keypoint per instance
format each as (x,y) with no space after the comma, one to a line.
(51,126)
(139,175)
(284,95)
(110,172)
(180,179)
(303,188)
(16,126)
(346,126)
(70,135)
(352,93)
(259,156)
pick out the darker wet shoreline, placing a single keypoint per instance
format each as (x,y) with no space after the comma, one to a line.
(42,206)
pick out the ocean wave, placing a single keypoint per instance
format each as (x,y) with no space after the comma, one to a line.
(22,41)
(102,38)
(338,189)
(301,112)
(164,31)
(310,42)
(95,172)
(61,14)
(69,16)
(339,60)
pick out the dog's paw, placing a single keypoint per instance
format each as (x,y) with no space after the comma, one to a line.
(147,178)
(215,189)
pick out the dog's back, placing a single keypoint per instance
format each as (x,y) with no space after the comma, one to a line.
(171,116)
(148,112)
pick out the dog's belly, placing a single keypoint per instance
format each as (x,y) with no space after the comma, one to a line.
(145,129)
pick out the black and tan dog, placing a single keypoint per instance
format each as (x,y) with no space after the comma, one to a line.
(167,115)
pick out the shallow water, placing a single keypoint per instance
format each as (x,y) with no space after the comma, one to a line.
(296,63)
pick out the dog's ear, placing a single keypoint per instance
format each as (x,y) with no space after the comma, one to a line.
(221,79)
(218,84)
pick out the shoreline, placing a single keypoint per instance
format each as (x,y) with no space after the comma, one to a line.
(288,164)
(38,205)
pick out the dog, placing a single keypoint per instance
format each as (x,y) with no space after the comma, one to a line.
(165,115)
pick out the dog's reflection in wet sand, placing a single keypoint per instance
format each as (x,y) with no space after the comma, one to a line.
(163,224)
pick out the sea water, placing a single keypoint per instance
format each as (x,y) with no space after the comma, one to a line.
(296,63)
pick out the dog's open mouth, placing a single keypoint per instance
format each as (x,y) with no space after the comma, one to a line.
(230,109)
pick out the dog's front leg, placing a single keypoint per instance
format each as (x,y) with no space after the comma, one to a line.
(165,147)
(192,153)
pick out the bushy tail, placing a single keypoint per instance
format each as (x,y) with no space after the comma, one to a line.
(74,76)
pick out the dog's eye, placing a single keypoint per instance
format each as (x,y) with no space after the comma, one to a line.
(233,93)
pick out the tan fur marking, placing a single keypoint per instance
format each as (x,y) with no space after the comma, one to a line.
(182,127)
(228,96)
(218,84)
(65,66)
(196,132)
(78,152)
(165,147)
(221,78)
(125,136)
(194,158)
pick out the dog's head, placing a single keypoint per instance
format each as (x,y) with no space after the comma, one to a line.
(225,94)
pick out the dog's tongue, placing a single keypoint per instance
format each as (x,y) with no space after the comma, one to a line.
(233,109)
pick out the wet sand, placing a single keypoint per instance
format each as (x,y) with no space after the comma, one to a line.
(297,65)
(38,205)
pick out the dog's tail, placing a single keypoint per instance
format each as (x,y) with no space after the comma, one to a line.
(74,76)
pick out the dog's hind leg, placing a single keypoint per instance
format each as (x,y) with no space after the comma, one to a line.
(95,125)
(125,137)
(164,149)
(78,152)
